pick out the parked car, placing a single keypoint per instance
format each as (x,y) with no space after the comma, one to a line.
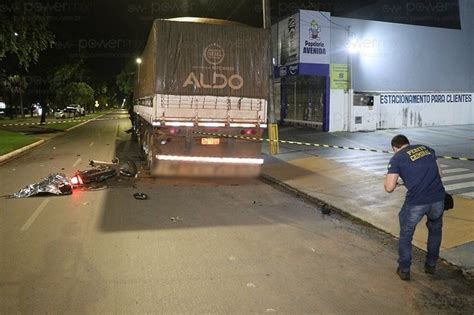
(68,112)
(3,107)
(81,111)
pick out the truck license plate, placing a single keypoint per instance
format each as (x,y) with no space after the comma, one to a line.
(210,141)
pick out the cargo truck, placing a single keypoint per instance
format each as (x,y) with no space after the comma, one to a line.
(202,86)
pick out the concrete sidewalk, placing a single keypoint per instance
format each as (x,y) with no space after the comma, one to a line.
(360,194)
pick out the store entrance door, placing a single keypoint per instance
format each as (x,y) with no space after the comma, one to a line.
(305,100)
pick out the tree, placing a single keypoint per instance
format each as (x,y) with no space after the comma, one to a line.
(68,79)
(68,73)
(125,81)
(16,84)
(103,95)
(24,32)
(77,93)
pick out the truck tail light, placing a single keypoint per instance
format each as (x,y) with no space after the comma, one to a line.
(248,132)
(174,131)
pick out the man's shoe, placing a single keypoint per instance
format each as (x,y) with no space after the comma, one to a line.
(405,276)
(430,269)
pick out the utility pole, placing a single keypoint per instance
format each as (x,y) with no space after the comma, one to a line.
(272,125)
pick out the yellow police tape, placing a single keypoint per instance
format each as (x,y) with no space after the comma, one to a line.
(322,145)
(57,122)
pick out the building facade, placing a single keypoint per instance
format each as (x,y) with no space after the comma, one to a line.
(342,74)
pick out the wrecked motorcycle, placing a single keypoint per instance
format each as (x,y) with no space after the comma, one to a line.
(102,170)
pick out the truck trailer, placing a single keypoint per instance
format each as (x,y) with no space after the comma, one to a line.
(201,89)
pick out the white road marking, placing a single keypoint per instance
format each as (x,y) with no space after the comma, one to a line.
(77,162)
(412,139)
(455,170)
(374,168)
(459,186)
(361,159)
(35,214)
(456,177)
(470,194)
(92,143)
(370,163)
(445,134)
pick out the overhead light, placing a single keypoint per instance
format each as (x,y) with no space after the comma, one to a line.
(139,60)
(353,46)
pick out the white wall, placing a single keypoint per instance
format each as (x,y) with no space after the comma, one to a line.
(403,59)
(342,117)
(467,23)
(338,111)
(400,57)
(442,113)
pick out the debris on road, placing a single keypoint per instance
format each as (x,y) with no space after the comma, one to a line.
(175,219)
(326,210)
(140,196)
(55,183)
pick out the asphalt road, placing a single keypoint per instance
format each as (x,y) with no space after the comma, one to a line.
(195,246)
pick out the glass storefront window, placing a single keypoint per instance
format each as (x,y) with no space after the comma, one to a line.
(306,98)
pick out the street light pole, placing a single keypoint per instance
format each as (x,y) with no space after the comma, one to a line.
(272,125)
(139,62)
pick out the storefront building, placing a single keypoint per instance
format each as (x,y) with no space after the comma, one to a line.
(341,74)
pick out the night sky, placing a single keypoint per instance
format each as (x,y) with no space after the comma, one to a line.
(107,34)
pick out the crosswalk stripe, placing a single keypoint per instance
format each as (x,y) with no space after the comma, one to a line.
(469,194)
(455,170)
(359,158)
(373,168)
(377,164)
(369,163)
(459,186)
(456,177)
(363,164)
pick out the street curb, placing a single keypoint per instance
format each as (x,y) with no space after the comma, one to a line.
(467,274)
(322,204)
(11,155)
